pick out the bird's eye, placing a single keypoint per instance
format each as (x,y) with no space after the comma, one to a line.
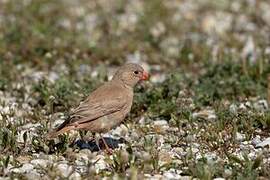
(136,72)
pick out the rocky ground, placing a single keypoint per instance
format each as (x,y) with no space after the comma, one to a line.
(204,113)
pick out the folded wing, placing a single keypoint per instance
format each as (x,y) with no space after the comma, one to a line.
(104,101)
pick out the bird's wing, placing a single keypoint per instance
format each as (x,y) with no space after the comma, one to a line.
(105,100)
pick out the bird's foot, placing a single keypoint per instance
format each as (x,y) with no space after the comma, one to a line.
(108,149)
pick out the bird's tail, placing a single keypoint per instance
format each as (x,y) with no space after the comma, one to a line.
(56,132)
(64,127)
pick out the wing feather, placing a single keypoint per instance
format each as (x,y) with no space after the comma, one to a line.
(101,102)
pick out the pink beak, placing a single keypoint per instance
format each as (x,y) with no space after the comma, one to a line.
(145,76)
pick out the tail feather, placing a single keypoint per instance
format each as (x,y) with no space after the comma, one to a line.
(57,132)
(64,127)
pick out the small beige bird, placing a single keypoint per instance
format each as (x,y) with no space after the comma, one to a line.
(107,106)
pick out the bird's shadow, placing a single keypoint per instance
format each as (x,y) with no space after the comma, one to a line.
(92,146)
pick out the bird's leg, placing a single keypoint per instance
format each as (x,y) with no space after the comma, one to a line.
(97,137)
(85,136)
(108,149)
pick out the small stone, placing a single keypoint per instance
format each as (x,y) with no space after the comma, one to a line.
(170,175)
(27,167)
(121,130)
(179,152)
(256,140)
(32,175)
(157,78)
(158,30)
(218,23)
(24,169)
(5,110)
(64,169)
(16,170)
(248,104)
(170,46)
(264,143)
(153,177)
(211,157)
(205,114)
(227,173)
(186,178)
(240,137)
(249,50)
(194,150)
(53,76)
(233,108)
(87,152)
(261,105)
(84,155)
(136,57)
(48,55)
(161,126)
(245,143)
(190,138)
(197,145)
(40,162)
(134,136)
(100,163)
(242,106)
(252,155)
(142,120)
(75,176)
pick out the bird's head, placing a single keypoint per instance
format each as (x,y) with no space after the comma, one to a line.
(131,74)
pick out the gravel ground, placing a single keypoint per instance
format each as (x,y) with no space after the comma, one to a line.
(204,114)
